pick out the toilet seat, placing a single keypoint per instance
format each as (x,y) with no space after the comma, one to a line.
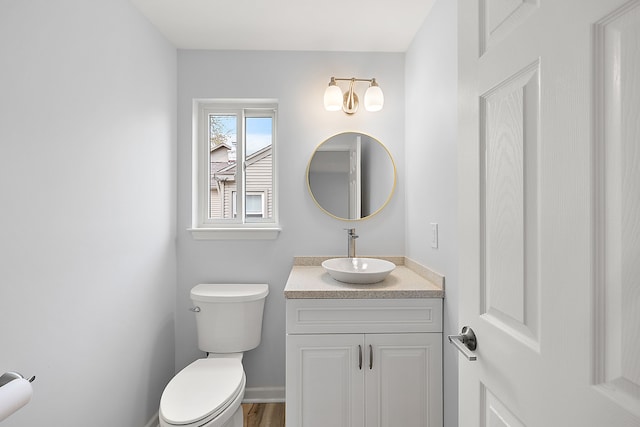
(201,392)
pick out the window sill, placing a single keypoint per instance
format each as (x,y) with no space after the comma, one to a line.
(239,233)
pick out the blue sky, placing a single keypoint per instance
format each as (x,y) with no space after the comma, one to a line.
(259,133)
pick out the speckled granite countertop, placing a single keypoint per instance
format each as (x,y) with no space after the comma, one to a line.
(409,280)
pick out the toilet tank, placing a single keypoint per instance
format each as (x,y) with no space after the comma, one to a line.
(230,316)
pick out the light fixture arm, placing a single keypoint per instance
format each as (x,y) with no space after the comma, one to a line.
(352,79)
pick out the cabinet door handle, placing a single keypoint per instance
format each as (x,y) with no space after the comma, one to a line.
(359,356)
(370,356)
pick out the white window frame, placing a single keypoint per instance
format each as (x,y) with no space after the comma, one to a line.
(207,228)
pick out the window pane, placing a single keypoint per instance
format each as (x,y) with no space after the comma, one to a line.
(222,165)
(254,205)
(259,169)
(259,133)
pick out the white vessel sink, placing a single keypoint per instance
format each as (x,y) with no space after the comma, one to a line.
(358,270)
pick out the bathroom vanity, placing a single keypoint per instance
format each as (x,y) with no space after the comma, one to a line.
(363,355)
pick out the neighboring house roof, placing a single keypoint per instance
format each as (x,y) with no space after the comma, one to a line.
(221,145)
(220,159)
(217,166)
(259,155)
(229,171)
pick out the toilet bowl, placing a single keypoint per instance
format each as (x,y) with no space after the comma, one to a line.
(209,391)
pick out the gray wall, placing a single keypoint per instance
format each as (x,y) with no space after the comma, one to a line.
(298,81)
(431,173)
(87,222)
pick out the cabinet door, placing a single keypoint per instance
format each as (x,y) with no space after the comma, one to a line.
(403,380)
(325,385)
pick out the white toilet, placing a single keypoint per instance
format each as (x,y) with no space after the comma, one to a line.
(209,391)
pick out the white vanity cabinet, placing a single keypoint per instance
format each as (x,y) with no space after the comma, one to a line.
(364,362)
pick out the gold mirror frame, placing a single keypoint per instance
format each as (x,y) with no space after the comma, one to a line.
(375,210)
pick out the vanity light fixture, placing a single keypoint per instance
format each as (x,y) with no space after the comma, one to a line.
(335,100)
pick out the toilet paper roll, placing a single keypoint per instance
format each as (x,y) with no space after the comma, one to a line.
(13,396)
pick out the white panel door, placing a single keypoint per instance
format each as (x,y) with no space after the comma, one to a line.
(549,202)
(403,380)
(355,178)
(325,380)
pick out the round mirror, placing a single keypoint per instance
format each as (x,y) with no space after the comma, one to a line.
(351,176)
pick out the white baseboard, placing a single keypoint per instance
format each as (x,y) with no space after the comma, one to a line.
(251,395)
(263,395)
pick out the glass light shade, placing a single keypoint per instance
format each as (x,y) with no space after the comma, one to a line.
(373,98)
(333,98)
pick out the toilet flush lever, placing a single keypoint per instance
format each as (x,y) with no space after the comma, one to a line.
(195,309)
(7,377)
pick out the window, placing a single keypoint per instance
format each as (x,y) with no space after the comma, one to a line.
(254,206)
(234,169)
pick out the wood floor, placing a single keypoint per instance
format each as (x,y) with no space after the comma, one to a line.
(263,414)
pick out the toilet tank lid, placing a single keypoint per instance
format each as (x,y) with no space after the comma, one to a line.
(218,292)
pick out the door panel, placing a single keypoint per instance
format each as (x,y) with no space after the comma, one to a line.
(508,146)
(618,198)
(498,18)
(355,178)
(495,414)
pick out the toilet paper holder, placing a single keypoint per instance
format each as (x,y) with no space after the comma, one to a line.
(7,377)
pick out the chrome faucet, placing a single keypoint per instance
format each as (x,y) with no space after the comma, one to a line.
(351,242)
